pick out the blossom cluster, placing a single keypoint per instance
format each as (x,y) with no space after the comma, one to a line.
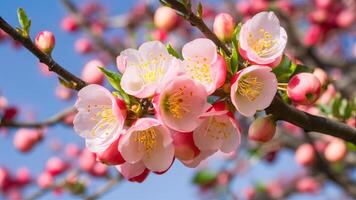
(183,124)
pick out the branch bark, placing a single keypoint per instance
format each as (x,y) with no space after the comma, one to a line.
(278,108)
(44,58)
(57,118)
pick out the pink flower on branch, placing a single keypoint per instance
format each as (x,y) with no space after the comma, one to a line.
(144,69)
(262,39)
(150,142)
(203,64)
(180,103)
(100,118)
(253,89)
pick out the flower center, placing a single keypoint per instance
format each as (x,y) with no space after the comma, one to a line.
(216,129)
(174,103)
(263,44)
(104,118)
(249,87)
(148,138)
(199,71)
(151,70)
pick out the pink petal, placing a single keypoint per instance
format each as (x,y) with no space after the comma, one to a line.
(128,170)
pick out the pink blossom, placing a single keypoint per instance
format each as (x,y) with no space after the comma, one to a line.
(83,46)
(206,67)
(305,155)
(111,155)
(203,155)
(224,26)
(144,69)
(45,180)
(218,131)
(87,160)
(304,88)
(72,150)
(23,176)
(45,41)
(262,39)
(180,103)
(56,166)
(336,150)
(308,185)
(165,18)
(69,24)
(91,72)
(133,172)
(150,142)
(100,117)
(184,146)
(25,139)
(99,170)
(63,92)
(253,89)
(262,129)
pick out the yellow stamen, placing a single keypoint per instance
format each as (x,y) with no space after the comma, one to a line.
(249,87)
(105,120)
(148,138)
(200,71)
(263,44)
(174,103)
(217,129)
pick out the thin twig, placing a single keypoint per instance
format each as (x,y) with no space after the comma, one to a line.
(108,186)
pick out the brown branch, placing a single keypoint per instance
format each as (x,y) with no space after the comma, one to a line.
(278,108)
(56,119)
(85,24)
(44,58)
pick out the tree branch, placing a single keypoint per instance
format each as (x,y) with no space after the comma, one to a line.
(44,58)
(57,118)
(108,186)
(278,108)
(85,24)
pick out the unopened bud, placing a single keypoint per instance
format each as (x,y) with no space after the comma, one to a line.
(224,26)
(165,18)
(45,41)
(304,88)
(262,129)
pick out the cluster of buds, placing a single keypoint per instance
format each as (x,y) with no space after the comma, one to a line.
(182,124)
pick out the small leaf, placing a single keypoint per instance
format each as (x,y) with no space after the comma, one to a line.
(200,10)
(204,177)
(114,80)
(286,69)
(67,84)
(335,105)
(24,22)
(173,52)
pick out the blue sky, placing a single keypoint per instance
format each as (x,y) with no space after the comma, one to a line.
(22,83)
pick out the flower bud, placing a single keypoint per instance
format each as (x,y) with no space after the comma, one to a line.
(87,161)
(45,180)
(184,146)
(323,3)
(262,129)
(321,75)
(23,176)
(69,24)
(25,139)
(99,170)
(165,18)
(335,151)
(5,179)
(45,41)
(111,156)
(91,73)
(304,88)
(308,185)
(224,26)
(305,155)
(63,93)
(83,46)
(346,18)
(56,166)
(313,35)
(72,150)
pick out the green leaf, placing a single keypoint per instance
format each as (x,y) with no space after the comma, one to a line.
(173,52)
(200,10)
(204,177)
(286,69)
(114,80)
(335,105)
(66,84)
(234,61)
(227,60)
(24,22)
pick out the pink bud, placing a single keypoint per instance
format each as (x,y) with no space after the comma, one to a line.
(5,179)
(56,166)
(304,88)
(224,26)
(185,149)
(319,16)
(25,139)
(99,170)
(72,150)
(308,185)
(45,41)
(262,129)
(159,34)
(69,24)
(165,18)
(23,176)
(83,46)
(111,156)
(335,151)
(321,75)
(313,35)
(346,18)
(323,3)
(87,160)
(9,113)
(305,155)
(63,93)
(45,180)
(249,193)
(91,73)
